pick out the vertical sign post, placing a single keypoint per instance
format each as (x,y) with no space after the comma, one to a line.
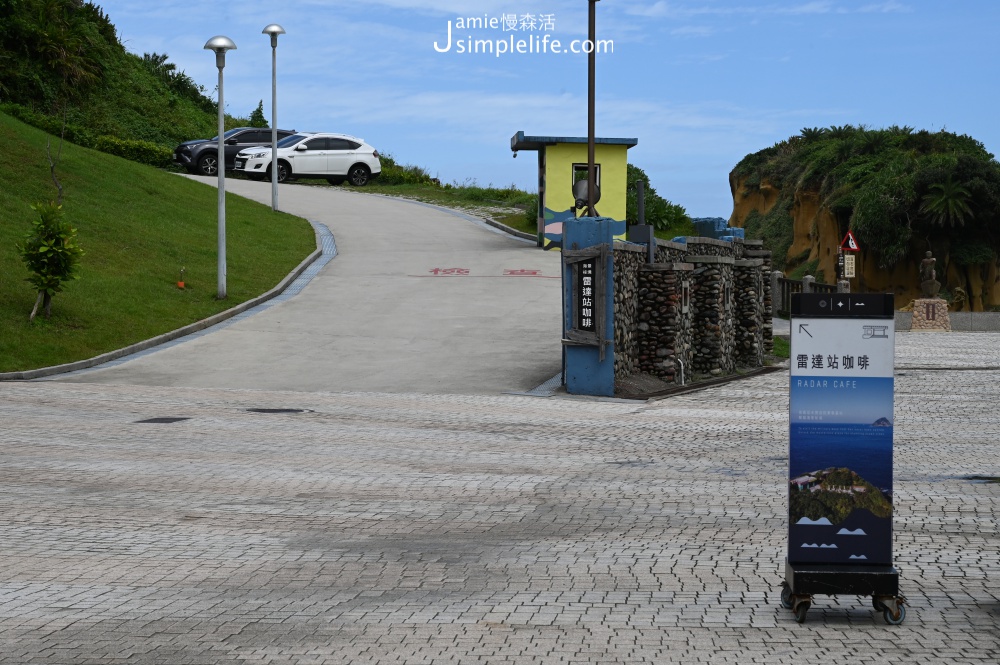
(840,451)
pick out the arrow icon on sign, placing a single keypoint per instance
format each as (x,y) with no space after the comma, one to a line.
(802,329)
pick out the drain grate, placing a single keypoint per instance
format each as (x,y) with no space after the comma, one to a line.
(277,410)
(162,420)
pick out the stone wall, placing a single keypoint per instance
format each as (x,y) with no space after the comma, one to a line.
(748,314)
(713,332)
(754,249)
(664,332)
(627,259)
(703,308)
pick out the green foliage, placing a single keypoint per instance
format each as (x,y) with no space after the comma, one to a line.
(50,251)
(396,174)
(666,217)
(891,186)
(947,202)
(257,118)
(144,152)
(61,62)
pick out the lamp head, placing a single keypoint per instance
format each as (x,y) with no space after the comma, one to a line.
(274,30)
(220,44)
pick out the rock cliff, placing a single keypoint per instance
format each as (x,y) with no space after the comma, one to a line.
(803,194)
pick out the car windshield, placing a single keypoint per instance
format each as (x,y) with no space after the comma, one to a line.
(289,141)
(229,133)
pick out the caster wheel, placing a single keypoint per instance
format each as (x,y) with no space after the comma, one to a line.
(800,612)
(877,604)
(786,597)
(894,621)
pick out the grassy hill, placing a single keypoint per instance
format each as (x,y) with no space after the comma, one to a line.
(138,226)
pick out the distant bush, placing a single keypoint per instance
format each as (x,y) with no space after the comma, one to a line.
(397,174)
(144,152)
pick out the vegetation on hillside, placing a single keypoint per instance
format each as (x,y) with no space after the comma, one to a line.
(139,226)
(61,63)
(892,187)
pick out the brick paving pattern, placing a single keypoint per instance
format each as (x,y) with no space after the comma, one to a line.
(420,529)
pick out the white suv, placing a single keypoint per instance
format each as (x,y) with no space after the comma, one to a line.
(335,157)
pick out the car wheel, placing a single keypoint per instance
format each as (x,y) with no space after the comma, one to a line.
(283,172)
(336,180)
(208,164)
(358,175)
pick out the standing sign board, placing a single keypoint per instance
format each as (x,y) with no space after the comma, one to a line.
(840,450)
(840,429)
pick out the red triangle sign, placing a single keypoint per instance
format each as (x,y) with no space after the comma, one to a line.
(849,244)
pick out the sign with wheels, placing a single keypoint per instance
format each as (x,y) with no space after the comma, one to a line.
(840,450)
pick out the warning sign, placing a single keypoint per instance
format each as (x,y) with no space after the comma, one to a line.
(849,266)
(850,244)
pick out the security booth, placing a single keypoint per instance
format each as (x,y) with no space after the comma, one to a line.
(840,420)
(562,162)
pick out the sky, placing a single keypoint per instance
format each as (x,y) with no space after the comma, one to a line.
(700,84)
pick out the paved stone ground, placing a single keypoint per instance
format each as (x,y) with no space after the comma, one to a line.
(405,528)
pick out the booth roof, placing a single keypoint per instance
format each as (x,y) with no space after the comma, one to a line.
(521,142)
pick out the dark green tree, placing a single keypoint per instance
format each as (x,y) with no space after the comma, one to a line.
(257,118)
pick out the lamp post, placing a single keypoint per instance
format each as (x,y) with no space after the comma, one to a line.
(274,30)
(591,76)
(220,45)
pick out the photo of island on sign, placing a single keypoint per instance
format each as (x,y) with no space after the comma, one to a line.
(840,432)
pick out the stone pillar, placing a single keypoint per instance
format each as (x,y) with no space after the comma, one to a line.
(930,315)
(843,286)
(776,285)
(807,283)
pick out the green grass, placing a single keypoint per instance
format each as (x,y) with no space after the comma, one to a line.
(782,347)
(138,226)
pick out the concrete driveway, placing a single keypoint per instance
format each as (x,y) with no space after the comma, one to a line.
(417,300)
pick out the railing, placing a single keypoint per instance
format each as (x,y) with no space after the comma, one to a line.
(783,288)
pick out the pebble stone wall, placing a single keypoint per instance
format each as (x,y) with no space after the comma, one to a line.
(664,329)
(726,320)
(627,259)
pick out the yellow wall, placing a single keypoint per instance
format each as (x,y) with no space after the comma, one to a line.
(559,160)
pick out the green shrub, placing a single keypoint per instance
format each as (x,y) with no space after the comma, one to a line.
(50,253)
(144,152)
(396,174)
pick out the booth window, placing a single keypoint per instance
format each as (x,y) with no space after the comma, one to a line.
(580,173)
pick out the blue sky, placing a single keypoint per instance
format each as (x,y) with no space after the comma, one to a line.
(699,83)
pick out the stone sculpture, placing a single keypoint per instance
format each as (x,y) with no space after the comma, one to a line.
(929,285)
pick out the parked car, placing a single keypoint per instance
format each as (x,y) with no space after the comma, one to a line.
(200,156)
(335,157)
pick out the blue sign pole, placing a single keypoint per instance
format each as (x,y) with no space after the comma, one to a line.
(588,306)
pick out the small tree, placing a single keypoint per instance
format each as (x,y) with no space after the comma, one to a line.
(51,254)
(257,118)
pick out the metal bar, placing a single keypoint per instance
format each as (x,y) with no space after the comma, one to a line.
(591,78)
(221,165)
(274,122)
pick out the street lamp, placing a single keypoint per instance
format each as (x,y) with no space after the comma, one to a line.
(220,45)
(274,30)
(591,76)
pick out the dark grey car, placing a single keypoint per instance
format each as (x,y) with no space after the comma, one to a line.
(201,155)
